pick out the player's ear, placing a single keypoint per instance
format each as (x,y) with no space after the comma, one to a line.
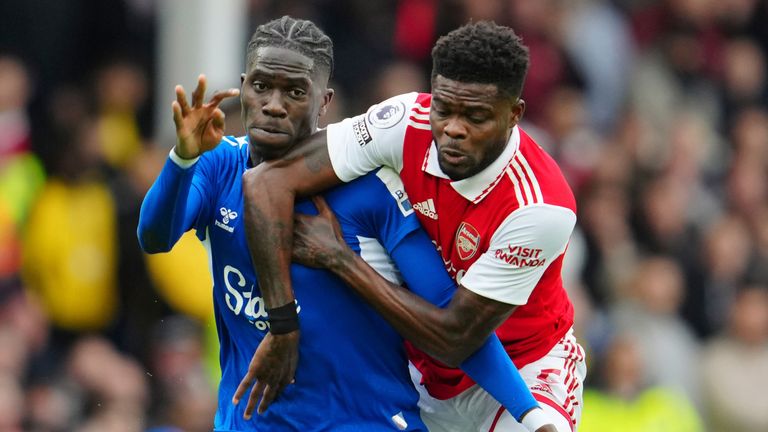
(517,111)
(242,79)
(327,98)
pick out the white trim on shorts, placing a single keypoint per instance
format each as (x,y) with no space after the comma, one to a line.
(556,382)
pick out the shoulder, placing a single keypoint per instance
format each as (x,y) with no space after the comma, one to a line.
(535,178)
(232,145)
(400,110)
(549,225)
(230,148)
(376,191)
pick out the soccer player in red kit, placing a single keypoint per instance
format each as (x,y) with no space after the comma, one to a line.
(494,203)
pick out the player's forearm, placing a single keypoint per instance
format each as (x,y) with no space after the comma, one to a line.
(164,211)
(269,192)
(268,212)
(434,330)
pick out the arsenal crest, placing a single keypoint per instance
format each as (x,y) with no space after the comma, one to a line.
(467,241)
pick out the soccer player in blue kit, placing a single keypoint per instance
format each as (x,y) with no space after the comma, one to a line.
(352,372)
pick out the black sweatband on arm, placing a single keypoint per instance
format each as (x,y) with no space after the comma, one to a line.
(283,319)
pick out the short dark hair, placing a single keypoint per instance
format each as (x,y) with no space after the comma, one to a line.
(298,35)
(482,52)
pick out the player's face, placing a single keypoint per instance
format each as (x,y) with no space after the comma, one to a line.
(471,124)
(282,97)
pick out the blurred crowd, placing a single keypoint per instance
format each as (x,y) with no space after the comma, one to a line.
(656,110)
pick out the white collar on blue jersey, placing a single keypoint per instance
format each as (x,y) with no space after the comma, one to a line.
(478,186)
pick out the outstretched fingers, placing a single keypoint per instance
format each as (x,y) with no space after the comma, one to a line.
(181,99)
(245,384)
(220,95)
(253,399)
(199,93)
(270,393)
(178,118)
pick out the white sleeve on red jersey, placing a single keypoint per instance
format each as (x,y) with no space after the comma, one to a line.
(360,144)
(521,249)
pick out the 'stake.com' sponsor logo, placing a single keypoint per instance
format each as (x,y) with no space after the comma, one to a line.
(240,299)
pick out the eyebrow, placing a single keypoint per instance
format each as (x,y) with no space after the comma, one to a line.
(291,79)
(468,106)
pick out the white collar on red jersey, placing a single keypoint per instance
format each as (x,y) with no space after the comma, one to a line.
(475,188)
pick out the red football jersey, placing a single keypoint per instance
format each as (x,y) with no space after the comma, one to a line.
(502,233)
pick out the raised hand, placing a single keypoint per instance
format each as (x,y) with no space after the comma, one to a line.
(272,367)
(317,240)
(199,127)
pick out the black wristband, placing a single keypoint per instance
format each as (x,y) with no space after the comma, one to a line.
(283,319)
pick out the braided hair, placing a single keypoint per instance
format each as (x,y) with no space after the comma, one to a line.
(482,52)
(298,35)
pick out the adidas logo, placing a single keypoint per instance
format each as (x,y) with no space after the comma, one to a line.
(427,208)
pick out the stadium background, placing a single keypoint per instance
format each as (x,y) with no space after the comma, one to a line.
(657,111)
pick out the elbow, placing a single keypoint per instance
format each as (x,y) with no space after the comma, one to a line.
(455,348)
(252,177)
(263,177)
(152,244)
(451,360)
(456,356)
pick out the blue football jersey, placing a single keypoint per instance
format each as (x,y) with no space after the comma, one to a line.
(352,373)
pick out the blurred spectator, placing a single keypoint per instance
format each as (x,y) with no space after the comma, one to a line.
(539,23)
(140,303)
(597,38)
(724,260)
(53,405)
(21,174)
(395,79)
(11,403)
(749,134)
(745,82)
(667,79)
(656,110)
(568,136)
(650,315)
(23,325)
(747,186)
(115,386)
(626,403)
(185,395)
(415,29)
(736,401)
(70,250)
(121,90)
(611,248)
(662,224)
(363,41)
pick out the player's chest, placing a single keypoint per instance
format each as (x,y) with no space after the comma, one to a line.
(226,218)
(460,229)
